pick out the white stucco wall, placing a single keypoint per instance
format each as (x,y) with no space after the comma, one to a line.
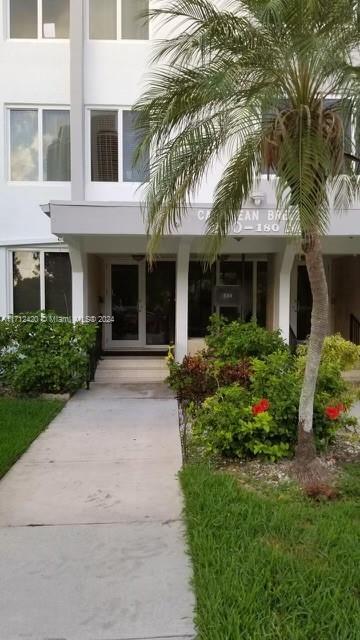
(32,73)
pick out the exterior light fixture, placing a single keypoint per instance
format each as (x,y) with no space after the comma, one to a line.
(138,257)
(258,199)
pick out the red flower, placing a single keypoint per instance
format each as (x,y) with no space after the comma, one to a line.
(334,412)
(261,407)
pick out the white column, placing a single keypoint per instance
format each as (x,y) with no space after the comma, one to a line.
(79,274)
(77,112)
(283,266)
(182,300)
(4,284)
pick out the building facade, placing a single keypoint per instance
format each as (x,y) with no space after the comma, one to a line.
(72,232)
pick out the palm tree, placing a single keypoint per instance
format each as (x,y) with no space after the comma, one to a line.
(251,81)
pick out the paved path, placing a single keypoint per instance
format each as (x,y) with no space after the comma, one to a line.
(91,541)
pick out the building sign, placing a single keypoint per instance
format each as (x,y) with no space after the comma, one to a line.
(254,221)
(227,296)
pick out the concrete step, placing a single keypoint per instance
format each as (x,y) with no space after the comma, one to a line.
(125,364)
(130,376)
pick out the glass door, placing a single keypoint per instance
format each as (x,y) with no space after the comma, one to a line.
(160,304)
(126,308)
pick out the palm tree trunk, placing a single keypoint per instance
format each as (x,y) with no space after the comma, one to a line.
(306,449)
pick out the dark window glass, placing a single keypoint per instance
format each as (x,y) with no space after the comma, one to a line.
(26,284)
(238,274)
(201,283)
(103,19)
(104,146)
(134,22)
(56,145)
(56,18)
(160,304)
(58,287)
(23,19)
(131,138)
(262,274)
(125,301)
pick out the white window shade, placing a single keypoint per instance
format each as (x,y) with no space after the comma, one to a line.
(56,18)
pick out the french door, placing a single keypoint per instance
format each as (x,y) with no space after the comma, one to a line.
(141,304)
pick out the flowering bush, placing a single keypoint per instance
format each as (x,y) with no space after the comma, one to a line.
(226,425)
(38,355)
(261,418)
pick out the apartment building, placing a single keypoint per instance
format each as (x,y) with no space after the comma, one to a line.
(72,231)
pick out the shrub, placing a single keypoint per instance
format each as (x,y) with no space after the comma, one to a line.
(231,341)
(337,350)
(38,355)
(261,419)
(226,424)
(199,376)
(191,380)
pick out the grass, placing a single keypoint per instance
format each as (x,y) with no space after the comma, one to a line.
(21,421)
(271,564)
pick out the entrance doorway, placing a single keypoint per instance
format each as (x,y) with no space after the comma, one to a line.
(141,303)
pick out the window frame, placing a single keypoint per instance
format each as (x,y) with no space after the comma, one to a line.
(32,249)
(40,110)
(120,122)
(40,35)
(119,37)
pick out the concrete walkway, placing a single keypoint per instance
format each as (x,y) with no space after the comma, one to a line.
(91,540)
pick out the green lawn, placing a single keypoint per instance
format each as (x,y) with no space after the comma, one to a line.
(270,564)
(21,421)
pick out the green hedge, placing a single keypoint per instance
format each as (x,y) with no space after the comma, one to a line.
(42,353)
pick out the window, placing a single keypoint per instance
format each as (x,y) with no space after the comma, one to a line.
(131,138)
(201,285)
(26,277)
(42,280)
(134,23)
(104,146)
(34,19)
(58,294)
(106,127)
(103,19)
(31,161)
(261,293)
(24,144)
(118,19)
(56,146)
(23,18)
